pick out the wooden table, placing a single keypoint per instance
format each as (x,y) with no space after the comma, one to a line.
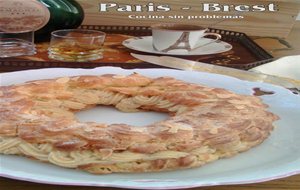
(289,183)
(278,47)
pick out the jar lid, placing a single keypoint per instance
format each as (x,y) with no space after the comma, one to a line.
(18,16)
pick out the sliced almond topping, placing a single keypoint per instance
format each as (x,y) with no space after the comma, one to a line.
(63,80)
(119,76)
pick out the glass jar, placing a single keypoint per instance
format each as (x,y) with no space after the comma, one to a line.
(18,21)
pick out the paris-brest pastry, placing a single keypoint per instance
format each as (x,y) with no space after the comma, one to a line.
(37,121)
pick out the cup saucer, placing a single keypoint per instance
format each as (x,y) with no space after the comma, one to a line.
(144,44)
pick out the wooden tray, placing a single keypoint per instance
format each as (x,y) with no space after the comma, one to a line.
(245,54)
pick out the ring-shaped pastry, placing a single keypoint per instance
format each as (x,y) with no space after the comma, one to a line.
(205,124)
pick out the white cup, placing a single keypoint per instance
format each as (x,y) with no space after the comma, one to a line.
(167,37)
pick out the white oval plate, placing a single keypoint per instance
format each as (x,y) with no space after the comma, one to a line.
(277,157)
(144,44)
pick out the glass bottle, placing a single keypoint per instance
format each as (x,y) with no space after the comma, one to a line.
(64,14)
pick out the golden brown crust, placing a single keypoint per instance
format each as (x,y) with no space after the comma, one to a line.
(41,114)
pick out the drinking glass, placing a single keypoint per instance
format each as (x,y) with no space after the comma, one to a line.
(16,44)
(76,45)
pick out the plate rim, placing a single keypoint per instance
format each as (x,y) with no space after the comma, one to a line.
(101,184)
(152,187)
(128,41)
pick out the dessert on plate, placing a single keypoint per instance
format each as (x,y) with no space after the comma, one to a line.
(37,121)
